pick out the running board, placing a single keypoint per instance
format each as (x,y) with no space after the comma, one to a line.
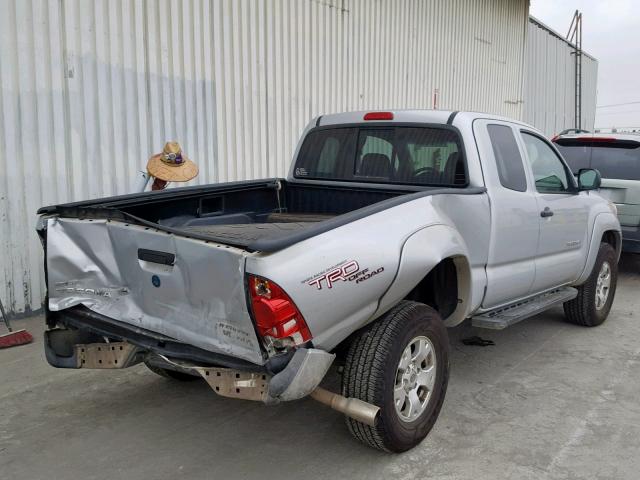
(505,316)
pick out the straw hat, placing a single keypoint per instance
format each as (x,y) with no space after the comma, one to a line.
(171,165)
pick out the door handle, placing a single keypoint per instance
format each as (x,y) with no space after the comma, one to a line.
(546,212)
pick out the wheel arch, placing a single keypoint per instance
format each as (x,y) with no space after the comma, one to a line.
(606,229)
(434,269)
(613,238)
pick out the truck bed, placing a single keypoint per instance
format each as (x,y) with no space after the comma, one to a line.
(265,215)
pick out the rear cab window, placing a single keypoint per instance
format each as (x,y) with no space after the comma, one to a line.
(412,155)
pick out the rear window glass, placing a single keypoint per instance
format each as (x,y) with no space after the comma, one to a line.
(406,155)
(621,162)
(576,156)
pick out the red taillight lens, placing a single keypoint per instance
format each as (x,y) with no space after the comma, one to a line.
(275,313)
(378,116)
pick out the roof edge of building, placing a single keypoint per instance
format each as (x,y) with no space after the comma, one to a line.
(551,31)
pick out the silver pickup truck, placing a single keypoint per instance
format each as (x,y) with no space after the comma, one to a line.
(390,227)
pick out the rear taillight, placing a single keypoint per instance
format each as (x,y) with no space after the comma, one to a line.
(278,319)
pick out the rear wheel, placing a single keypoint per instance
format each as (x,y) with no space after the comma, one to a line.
(595,297)
(172,374)
(401,364)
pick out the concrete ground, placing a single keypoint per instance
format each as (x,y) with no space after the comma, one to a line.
(549,401)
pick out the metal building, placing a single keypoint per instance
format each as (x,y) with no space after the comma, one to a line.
(549,84)
(90,89)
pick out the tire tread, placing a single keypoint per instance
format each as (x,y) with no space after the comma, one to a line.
(364,369)
(579,311)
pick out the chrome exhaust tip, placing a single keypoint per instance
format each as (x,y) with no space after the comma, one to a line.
(352,407)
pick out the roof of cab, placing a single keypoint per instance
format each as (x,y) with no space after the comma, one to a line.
(410,116)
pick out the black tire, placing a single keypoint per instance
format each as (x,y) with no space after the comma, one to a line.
(371,368)
(582,309)
(172,374)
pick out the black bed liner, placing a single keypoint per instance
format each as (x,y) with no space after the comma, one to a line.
(277,225)
(248,233)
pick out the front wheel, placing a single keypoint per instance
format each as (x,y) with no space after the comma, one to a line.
(595,296)
(401,364)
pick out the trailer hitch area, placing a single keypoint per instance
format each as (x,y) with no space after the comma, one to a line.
(300,378)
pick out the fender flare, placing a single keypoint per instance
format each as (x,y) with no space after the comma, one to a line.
(421,252)
(603,222)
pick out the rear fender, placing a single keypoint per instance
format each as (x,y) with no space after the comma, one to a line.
(421,252)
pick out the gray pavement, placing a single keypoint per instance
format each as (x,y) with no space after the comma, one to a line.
(549,401)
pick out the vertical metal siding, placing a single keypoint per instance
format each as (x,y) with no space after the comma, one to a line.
(550,82)
(90,89)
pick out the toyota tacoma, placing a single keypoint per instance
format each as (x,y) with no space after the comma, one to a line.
(390,227)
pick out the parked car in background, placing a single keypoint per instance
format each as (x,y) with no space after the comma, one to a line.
(569,131)
(617,157)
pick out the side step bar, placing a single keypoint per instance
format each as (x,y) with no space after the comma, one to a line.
(506,316)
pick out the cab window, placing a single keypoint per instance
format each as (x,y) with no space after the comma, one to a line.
(548,170)
(508,159)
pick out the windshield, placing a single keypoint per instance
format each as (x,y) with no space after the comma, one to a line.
(404,155)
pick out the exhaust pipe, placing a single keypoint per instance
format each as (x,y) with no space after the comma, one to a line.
(352,407)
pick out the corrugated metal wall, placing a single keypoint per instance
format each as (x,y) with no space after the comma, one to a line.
(550,82)
(90,89)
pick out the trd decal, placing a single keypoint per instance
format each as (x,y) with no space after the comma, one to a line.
(339,273)
(347,271)
(365,274)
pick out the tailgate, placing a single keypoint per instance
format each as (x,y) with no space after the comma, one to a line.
(187,289)
(626,195)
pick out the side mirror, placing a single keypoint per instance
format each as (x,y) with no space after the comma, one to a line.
(588,179)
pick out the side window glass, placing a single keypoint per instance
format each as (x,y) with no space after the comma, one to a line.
(508,159)
(548,170)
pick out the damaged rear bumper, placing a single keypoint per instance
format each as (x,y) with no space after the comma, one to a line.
(82,344)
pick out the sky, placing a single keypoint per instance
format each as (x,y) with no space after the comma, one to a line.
(611,34)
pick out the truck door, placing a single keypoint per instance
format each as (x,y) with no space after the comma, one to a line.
(514,214)
(563,216)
